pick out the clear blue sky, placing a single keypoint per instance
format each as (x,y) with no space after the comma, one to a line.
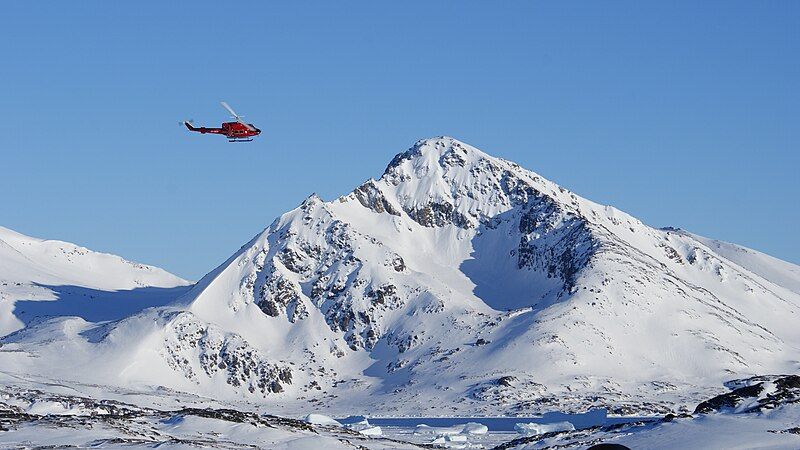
(680,113)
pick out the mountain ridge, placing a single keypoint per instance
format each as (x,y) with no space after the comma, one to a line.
(53,276)
(464,282)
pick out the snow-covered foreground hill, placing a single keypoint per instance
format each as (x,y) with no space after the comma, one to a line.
(757,413)
(50,415)
(455,284)
(760,412)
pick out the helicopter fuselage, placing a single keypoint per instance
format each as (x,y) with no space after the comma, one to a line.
(231,130)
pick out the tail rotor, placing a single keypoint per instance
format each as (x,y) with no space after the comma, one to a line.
(189,124)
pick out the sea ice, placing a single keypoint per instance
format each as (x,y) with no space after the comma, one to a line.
(475,428)
(531,429)
(320,419)
(365,428)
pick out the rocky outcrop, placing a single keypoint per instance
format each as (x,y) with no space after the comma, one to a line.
(755,394)
(197,349)
(370,196)
(278,295)
(554,242)
(438,215)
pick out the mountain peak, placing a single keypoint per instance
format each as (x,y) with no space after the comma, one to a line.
(311,201)
(429,152)
(443,144)
(444,175)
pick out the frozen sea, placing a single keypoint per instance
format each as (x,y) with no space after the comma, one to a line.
(500,429)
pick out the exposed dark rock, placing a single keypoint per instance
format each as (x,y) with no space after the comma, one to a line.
(371,197)
(292,260)
(506,381)
(398,264)
(400,157)
(228,353)
(278,295)
(765,393)
(403,343)
(520,442)
(385,295)
(566,250)
(453,157)
(672,254)
(438,215)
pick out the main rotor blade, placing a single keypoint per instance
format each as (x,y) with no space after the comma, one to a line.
(237,117)
(230,110)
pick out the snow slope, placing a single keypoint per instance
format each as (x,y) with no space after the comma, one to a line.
(53,278)
(771,269)
(760,412)
(456,283)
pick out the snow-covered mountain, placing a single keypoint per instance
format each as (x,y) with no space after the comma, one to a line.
(40,278)
(456,283)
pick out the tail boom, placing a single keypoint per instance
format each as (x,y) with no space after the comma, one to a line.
(204,130)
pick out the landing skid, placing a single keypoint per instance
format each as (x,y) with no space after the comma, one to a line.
(240,140)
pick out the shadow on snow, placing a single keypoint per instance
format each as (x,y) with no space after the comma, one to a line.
(94,305)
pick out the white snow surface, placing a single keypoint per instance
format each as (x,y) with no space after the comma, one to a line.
(40,278)
(457,283)
(27,259)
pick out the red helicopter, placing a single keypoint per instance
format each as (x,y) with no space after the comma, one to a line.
(238,131)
